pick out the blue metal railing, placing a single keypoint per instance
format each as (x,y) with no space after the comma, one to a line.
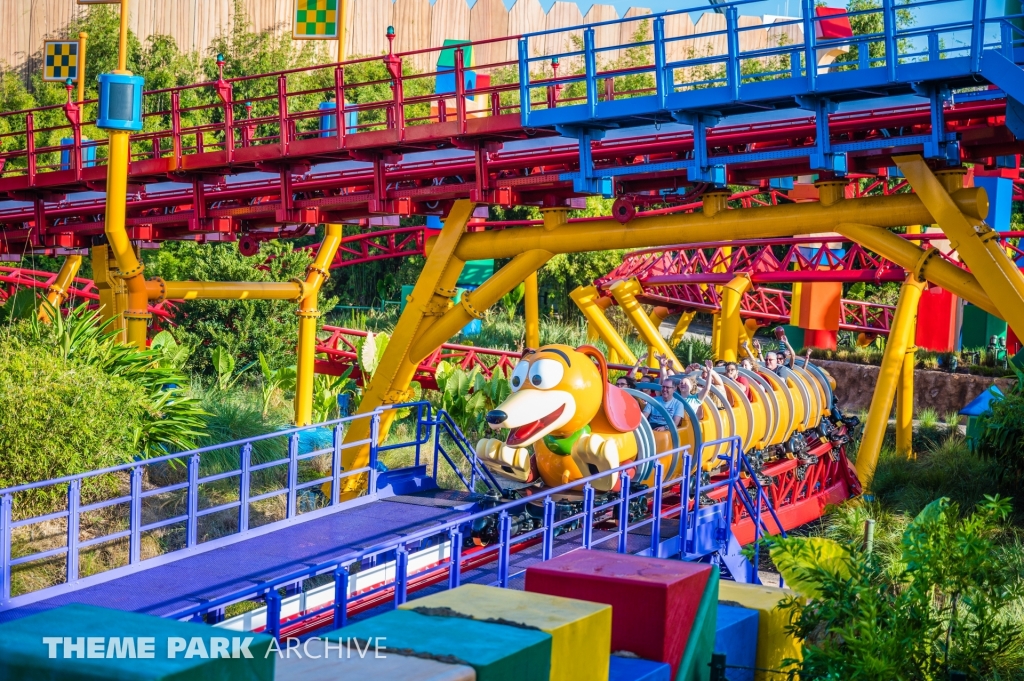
(261,475)
(588,519)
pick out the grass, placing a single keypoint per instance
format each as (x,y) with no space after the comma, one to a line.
(978,362)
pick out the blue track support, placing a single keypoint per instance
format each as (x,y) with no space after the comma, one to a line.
(1009,77)
(74,503)
(701,169)
(341,597)
(524,81)
(663,79)
(733,63)
(455,558)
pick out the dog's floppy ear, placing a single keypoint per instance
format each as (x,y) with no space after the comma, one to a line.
(621,410)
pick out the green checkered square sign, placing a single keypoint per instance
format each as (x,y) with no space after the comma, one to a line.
(60,61)
(315,19)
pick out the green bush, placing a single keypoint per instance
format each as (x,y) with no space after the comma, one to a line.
(62,417)
(1001,436)
(951,604)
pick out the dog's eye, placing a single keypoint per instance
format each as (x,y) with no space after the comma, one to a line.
(519,375)
(546,373)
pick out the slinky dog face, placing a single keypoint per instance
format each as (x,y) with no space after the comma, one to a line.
(556,391)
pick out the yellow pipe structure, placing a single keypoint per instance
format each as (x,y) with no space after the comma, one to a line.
(157,289)
(316,274)
(531,310)
(122,51)
(905,401)
(716,335)
(658,230)
(136,315)
(926,262)
(681,326)
(657,316)
(431,297)
(592,306)
(82,40)
(57,292)
(732,324)
(901,337)
(625,293)
(977,245)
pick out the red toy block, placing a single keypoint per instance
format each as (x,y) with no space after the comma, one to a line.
(936,320)
(653,600)
(836,27)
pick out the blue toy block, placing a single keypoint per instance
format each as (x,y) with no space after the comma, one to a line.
(88,153)
(328,122)
(635,669)
(1000,200)
(444,84)
(736,638)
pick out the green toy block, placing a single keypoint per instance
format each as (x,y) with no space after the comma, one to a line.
(78,642)
(497,652)
(978,328)
(795,335)
(447,57)
(697,654)
(476,272)
(319,660)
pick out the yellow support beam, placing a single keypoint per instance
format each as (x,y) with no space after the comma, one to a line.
(905,402)
(531,310)
(926,262)
(659,230)
(316,274)
(57,292)
(157,290)
(625,293)
(901,337)
(732,325)
(592,305)
(431,297)
(657,316)
(681,326)
(977,245)
(113,297)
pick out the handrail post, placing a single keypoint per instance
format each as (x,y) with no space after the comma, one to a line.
(623,512)
(504,547)
(524,81)
(6,504)
(293,473)
(135,520)
(282,113)
(659,477)
(549,527)
(684,504)
(193,501)
(663,80)
(401,575)
(374,452)
(30,147)
(244,482)
(339,435)
(891,46)
(176,127)
(340,596)
(460,89)
(273,613)
(339,104)
(455,558)
(733,56)
(810,46)
(588,515)
(590,71)
(74,501)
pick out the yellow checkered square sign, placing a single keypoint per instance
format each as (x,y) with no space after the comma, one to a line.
(315,19)
(60,61)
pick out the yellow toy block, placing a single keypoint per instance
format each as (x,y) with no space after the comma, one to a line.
(581,631)
(774,644)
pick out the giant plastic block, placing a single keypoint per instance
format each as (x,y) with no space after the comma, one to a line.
(978,328)
(635,669)
(317,660)
(580,631)
(736,638)
(774,644)
(87,642)
(936,320)
(699,647)
(495,651)
(653,600)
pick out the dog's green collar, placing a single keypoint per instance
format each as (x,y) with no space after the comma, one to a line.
(563,446)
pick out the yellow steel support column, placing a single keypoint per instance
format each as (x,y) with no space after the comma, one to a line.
(113,297)
(977,245)
(732,324)
(592,306)
(716,335)
(57,292)
(657,316)
(316,274)
(531,310)
(431,297)
(926,262)
(748,330)
(625,293)
(681,326)
(901,336)
(905,401)
(474,304)
(157,289)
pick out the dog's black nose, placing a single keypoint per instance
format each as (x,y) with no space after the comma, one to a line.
(495,417)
